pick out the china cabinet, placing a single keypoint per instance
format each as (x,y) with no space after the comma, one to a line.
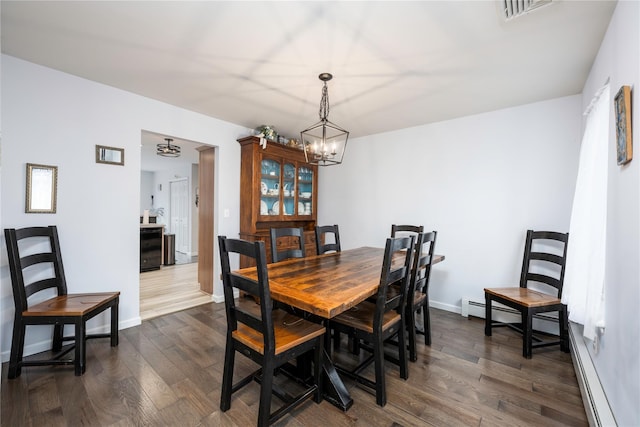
(277,189)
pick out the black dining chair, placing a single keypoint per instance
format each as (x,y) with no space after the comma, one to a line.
(406,230)
(283,237)
(418,296)
(372,323)
(322,244)
(35,263)
(543,264)
(269,337)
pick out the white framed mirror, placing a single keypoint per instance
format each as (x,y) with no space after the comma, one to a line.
(42,183)
(109,155)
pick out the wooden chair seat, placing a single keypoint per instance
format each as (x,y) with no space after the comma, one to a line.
(361,317)
(418,297)
(289,330)
(524,296)
(71,305)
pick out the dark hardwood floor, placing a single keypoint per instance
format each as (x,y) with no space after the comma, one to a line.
(167,372)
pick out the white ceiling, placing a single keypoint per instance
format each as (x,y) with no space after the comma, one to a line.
(151,162)
(395,64)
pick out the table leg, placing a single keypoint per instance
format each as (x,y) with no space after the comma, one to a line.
(334,390)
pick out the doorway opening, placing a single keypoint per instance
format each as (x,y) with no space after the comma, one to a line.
(169,191)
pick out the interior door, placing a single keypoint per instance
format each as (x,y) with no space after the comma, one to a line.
(179,214)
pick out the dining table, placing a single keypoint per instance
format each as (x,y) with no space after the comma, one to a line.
(325,286)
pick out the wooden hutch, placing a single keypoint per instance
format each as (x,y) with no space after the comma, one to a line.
(278,188)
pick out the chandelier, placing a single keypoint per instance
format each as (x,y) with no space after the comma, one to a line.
(324,142)
(168,150)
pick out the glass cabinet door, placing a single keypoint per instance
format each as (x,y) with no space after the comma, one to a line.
(305,191)
(270,188)
(289,189)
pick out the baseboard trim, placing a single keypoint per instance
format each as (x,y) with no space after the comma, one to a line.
(595,400)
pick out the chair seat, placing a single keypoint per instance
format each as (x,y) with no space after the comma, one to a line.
(71,304)
(290,331)
(419,299)
(524,296)
(361,317)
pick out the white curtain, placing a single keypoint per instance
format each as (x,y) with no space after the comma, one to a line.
(583,290)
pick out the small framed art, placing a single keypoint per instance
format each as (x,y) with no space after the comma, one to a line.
(622,104)
(42,183)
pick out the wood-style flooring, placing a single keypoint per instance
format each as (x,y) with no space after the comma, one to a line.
(167,372)
(172,288)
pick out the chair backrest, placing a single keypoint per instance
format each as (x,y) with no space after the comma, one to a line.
(406,230)
(398,273)
(257,288)
(38,249)
(287,253)
(545,256)
(421,264)
(321,232)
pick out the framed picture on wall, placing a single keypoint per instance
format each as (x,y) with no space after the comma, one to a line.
(622,104)
(42,184)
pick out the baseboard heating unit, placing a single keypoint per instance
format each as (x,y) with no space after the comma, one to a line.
(595,401)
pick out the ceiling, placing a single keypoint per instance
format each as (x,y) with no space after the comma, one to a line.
(151,162)
(395,64)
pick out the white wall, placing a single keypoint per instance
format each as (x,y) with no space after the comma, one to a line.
(146,190)
(480,181)
(618,360)
(54,118)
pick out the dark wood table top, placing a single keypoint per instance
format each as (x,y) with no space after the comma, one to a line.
(326,285)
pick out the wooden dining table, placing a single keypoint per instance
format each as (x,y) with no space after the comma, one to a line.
(327,285)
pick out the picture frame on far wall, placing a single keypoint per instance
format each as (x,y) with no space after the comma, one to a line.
(622,105)
(109,155)
(42,184)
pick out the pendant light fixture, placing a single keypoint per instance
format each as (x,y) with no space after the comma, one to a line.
(324,142)
(168,150)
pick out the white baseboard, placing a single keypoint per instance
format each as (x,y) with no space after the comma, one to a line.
(595,400)
(446,307)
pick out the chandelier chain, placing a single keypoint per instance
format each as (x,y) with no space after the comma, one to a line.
(324,103)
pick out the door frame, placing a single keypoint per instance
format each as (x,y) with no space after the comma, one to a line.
(206,211)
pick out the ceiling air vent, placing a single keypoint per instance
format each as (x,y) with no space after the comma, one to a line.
(514,8)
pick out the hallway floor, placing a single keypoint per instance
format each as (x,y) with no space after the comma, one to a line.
(172,288)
